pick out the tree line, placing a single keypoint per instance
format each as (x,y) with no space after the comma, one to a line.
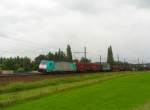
(16,64)
(20,64)
(110,57)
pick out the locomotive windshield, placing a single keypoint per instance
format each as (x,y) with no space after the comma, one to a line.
(44,62)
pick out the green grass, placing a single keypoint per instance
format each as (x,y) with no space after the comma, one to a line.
(11,98)
(106,92)
(21,86)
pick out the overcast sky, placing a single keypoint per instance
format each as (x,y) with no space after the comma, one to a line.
(31,27)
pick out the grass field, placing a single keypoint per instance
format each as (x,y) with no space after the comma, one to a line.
(117,91)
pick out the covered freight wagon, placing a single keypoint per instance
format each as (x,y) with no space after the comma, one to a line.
(106,67)
(85,67)
(52,66)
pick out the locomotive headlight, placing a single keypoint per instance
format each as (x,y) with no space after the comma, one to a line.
(41,66)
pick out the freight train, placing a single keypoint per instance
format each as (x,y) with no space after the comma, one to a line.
(49,66)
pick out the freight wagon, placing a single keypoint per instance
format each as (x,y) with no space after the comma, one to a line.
(48,66)
(117,67)
(52,66)
(87,67)
(106,67)
(125,67)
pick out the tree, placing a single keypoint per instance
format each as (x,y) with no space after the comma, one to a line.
(69,53)
(26,64)
(85,60)
(38,59)
(50,56)
(63,56)
(60,56)
(110,58)
(15,63)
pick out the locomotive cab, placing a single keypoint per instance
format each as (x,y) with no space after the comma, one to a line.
(46,66)
(49,66)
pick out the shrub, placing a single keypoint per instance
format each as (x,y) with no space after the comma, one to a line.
(19,70)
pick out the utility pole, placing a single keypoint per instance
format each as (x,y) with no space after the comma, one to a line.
(100,59)
(85,52)
(142,62)
(82,52)
(124,60)
(138,61)
(118,58)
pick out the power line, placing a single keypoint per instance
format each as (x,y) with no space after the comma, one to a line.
(37,49)
(25,42)
(82,52)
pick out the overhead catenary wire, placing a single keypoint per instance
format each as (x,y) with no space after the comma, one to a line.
(82,52)
(25,42)
(34,46)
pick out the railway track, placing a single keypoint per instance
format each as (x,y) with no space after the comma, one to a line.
(35,74)
(25,77)
(15,75)
(29,77)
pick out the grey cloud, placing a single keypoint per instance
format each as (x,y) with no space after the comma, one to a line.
(141,3)
(83,6)
(39,26)
(3,35)
(144,3)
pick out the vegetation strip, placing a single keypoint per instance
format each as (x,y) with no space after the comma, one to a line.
(21,86)
(17,97)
